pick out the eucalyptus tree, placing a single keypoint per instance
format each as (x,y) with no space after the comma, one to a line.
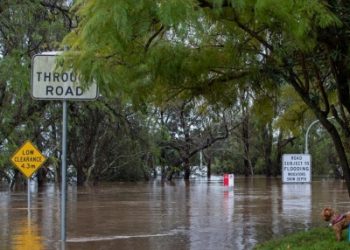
(152,50)
(157,68)
(300,49)
(188,127)
(108,142)
(26,28)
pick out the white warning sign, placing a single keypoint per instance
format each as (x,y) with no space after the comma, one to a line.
(296,168)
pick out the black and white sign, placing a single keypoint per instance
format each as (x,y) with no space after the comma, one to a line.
(296,168)
(51,84)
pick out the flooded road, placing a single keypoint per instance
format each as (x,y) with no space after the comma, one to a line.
(199,215)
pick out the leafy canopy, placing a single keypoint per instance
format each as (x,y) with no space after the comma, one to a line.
(154,50)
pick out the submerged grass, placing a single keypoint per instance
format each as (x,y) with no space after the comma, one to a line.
(314,239)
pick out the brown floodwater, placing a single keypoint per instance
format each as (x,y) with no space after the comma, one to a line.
(200,214)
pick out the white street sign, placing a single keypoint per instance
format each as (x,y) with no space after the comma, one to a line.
(50,84)
(296,168)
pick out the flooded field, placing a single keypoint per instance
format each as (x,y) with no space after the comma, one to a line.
(199,215)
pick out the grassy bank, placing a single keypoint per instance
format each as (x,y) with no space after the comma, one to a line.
(315,239)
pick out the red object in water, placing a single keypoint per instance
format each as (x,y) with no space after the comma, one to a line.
(225,179)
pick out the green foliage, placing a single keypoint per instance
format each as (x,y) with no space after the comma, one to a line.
(294,111)
(125,57)
(150,51)
(27,27)
(14,70)
(173,12)
(314,239)
(297,19)
(263,109)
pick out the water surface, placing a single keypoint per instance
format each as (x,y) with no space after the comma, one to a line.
(200,214)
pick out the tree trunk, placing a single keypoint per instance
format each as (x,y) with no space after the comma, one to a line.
(267,144)
(208,160)
(339,148)
(81,178)
(322,117)
(5,176)
(248,168)
(162,161)
(186,131)
(277,165)
(187,169)
(41,176)
(170,174)
(17,181)
(162,157)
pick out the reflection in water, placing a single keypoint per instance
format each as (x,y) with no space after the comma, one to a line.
(296,203)
(229,202)
(211,213)
(199,215)
(27,237)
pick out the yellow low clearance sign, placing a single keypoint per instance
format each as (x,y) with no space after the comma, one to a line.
(28,159)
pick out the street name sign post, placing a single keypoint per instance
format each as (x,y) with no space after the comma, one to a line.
(49,82)
(28,159)
(296,168)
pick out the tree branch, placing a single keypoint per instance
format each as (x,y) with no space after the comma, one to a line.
(321,88)
(148,44)
(251,32)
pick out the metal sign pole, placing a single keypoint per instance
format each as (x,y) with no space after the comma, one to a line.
(49,84)
(64,172)
(28,186)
